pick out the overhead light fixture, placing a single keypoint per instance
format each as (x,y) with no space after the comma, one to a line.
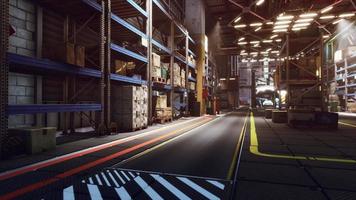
(281,26)
(326,36)
(260,2)
(269,23)
(256,45)
(301,25)
(296,29)
(269,49)
(327,17)
(254,53)
(285,17)
(256,24)
(347,15)
(242,43)
(327,9)
(242,38)
(337,21)
(279,30)
(267,41)
(257,29)
(274,36)
(282,22)
(306,15)
(275,52)
(304,20)
(237,19)
(278,40)
(240,26)
(255,42)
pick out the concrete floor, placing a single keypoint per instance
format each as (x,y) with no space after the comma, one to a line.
(194,159)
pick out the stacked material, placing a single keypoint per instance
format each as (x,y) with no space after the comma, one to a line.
(123,68)
(176,75)
(351,107)
(191,60)
(129,107)
(182,78)
(163,113)
(191,85)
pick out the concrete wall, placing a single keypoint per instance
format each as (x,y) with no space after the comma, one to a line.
(23,42)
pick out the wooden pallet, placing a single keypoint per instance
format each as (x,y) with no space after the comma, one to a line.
(159,80)
(163,120)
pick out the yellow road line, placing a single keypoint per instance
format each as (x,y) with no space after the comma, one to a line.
(346,124)
(254,149)
(204,122)
(234,158)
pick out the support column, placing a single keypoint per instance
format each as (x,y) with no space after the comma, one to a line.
(186,94)
(195,22)
(287,71)
(324,82)
(149,57)
(171,63)
(107,67)
(102,68)
(4,70)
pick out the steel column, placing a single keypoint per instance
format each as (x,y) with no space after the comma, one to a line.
(186,75)
(4,70)
(171,64)
(107,67)
(102,67)
(149,57)
(287,70)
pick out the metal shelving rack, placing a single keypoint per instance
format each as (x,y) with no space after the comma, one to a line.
(116,21)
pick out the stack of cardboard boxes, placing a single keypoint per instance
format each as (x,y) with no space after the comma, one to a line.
(69,53)
(163,112)
(130,107)
(179,76)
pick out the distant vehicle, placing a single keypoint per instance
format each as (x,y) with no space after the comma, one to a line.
(267,103)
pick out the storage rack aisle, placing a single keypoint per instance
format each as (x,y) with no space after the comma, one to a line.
(89,45)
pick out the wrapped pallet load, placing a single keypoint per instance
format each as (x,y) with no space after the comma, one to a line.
(130,107)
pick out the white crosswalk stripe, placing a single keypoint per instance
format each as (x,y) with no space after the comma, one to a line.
(179,194)
(127,185)
(198,188)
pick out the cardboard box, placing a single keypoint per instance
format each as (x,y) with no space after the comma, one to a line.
(161,101)
(80,55)
(156,60)
(156,72)
(64,52)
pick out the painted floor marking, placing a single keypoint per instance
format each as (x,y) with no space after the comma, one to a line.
(46,182)
(254,149)
(60,159)
(234,158)
(347,124)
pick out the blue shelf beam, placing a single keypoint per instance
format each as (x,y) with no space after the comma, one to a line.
(45,65)
(48,108)
(180,59)
(191,52)
(180,90)
(129,53)
(191,79)
(138,8)
(161,87)
(128,26)
(48,65)
(160,46)
(126,79)
(191,65)
(158,4)
(117,19)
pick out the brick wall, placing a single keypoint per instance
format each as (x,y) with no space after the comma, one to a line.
(21,86)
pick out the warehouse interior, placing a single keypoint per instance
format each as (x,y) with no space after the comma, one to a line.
(178,99)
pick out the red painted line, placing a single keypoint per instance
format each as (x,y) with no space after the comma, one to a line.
(89,165)
(34,167)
